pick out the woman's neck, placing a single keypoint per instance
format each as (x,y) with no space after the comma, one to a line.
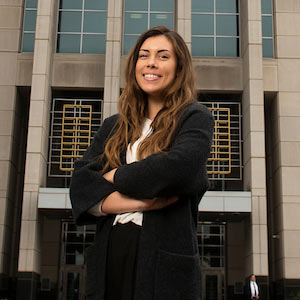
(154,106)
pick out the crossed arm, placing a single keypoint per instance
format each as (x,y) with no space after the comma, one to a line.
(117,203)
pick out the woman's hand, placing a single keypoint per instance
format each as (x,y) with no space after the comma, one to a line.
(117,203)
(109,176)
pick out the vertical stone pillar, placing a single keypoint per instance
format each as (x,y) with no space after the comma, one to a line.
(287,147)
(10,33)
(254,138)
(184,20)
(112,58)
(36,155)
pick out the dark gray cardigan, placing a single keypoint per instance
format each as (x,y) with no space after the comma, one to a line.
(168,265)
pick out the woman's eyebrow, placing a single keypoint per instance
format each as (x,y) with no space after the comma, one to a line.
(162,50)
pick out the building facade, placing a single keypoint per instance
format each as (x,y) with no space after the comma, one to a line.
(61,74)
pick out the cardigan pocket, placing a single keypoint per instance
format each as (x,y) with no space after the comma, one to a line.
(177,277)
(91,274)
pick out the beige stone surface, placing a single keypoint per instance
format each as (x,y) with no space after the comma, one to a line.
(291,220)
(290,181)
(290,6)
(287,24)
(86,73)
(253,118)
(254,32)
(292,243)
(43,27)
(6,122)
(33,165)
(114,30)
(38,89)
(30,204)
(9,40)
(291,267)
(289,154)
(28,236)
(287,124)
(289,74)
(7,97)
(4,167)
(262,210)
(254,144)
(218,74)
(10,17)
(258,173)
(24,69)
(8,68)
(5,147)
(3,203)
(45,7)
(254,10)
(270,75)
(289,104)
(40,64)
(29,261)
(36,112)
(288,46)
(253,62)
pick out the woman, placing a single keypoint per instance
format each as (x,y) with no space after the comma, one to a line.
(143,177)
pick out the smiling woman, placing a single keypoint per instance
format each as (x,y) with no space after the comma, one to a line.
(143,177)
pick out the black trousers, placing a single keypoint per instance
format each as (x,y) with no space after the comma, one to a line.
(121,261)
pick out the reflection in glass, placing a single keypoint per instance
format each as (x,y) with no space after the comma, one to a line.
(136,5)
(30,20)
(92,43)
(135,23)
(31,3)
(266,6)
(159,5)
(211,287)
(70,4)
(28,42)
(68,43)
(202,46)
(73,280)
(267,26)
(203,24)
(128,41)
(268,51)
(69,21)
(161,19)
(95,4)
(94,22)
(227,25)
(202,6)
(226,6)
(228,47)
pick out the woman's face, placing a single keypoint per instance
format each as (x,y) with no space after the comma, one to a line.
(156,66)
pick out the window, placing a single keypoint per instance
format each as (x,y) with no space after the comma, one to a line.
(29,25)
(267,28)
(82,26)
(140,15)
(215,28)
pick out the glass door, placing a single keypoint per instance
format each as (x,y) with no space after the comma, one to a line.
(212,285)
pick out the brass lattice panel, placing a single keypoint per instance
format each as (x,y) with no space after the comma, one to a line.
(220,159)
(75,135)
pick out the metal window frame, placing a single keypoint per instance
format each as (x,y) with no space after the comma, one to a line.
(81,33)
(148,12)
(215,36)
(27,31)
(266,37)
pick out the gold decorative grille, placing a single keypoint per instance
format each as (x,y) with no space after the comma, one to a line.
(225,161)
(73,124)
(220,160)
(76,134)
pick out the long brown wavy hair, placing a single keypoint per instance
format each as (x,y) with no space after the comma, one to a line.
(133,103)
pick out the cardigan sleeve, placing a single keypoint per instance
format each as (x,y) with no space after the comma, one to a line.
(88,186)
(177,171)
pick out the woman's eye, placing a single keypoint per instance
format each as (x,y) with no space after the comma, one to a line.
(142,55)
(164,57)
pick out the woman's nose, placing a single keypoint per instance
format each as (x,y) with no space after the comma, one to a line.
(151,63)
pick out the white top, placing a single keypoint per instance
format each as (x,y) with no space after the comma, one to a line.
(254,289)
(131,156)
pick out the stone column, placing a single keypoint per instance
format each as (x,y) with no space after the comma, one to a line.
(10,118)
(287,147)
(112,58)
(36,155)
(256,259)
(184,20)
